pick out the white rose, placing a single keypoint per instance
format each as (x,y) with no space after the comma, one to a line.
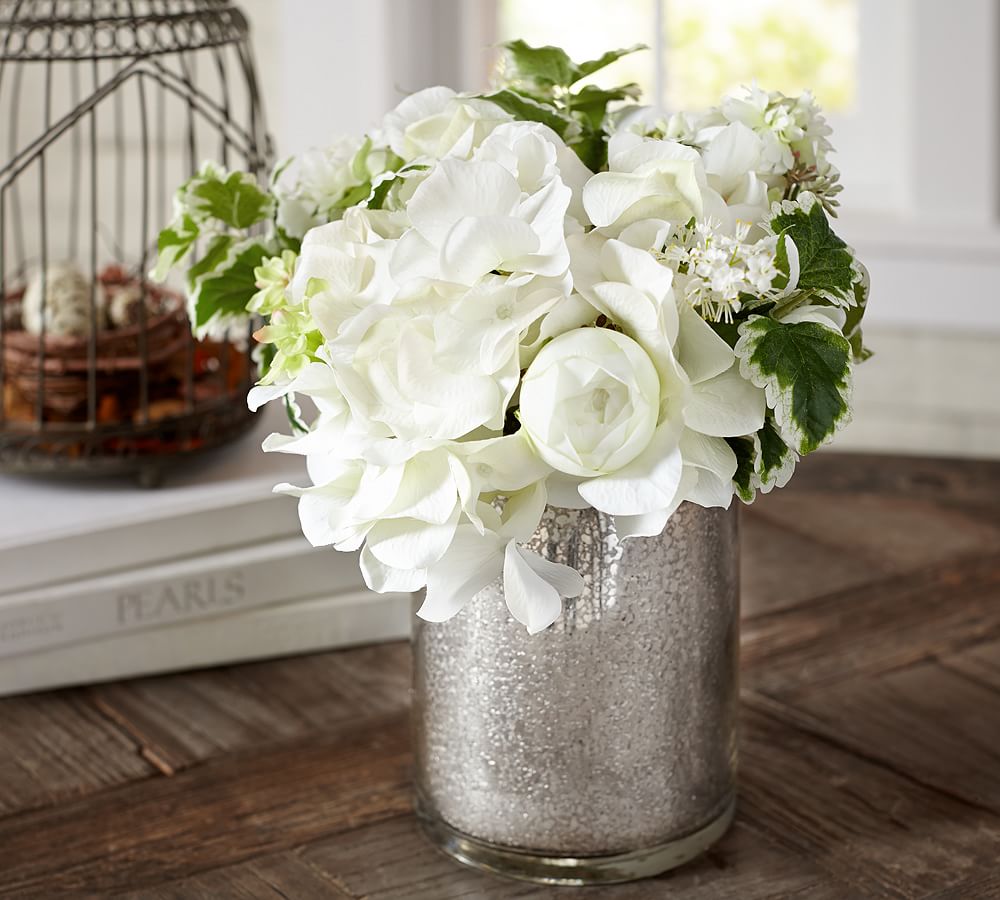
(590,401)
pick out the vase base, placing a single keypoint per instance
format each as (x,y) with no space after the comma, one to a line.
(543,868)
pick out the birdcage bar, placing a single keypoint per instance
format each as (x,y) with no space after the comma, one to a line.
(144,263)
(92,334)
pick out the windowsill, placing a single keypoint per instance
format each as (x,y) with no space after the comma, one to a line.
(900,235)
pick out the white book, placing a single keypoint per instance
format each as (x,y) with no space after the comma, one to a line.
(302,626)
(59,530)
(213,584)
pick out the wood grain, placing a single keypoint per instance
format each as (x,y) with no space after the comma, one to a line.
(58,749)
(870,744)
(225,811)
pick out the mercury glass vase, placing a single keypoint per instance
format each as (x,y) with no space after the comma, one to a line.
(604,748)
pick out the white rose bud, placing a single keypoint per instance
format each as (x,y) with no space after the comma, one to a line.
(590,401)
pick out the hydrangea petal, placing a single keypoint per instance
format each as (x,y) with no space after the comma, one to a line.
(726,406)
(534,587)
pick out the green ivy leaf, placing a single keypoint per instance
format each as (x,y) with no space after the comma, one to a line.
(746,459)
(826,264)
(592,148)
(804,369)
(226,291)
(776,459)
(541,67)
(591,102)
(232,198)
(173,244)
(763,462)
(528,110)
(605,59)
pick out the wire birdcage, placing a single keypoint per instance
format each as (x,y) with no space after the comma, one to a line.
(105,105)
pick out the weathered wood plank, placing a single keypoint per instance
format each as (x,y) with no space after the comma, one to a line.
(985,888)
(781,568)
(222,812)
(874,628)
(971,481)
(392,861)
(281,876)
(885,833)
(980,663)
(932,724)
(880,531)
(194,716)
(55,747)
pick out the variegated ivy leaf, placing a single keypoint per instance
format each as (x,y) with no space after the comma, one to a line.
(222,289)
(852,327)
(764,462)
(231,198)
(824,264)
(805,371)
(173,244)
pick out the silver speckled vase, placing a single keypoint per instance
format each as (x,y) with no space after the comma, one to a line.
(604,748)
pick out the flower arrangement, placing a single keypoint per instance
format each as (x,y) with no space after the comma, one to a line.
(544,294)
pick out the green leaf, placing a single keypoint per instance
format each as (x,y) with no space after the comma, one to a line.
(595,65)
(378,196)
(294,413)
(544,67)
(234,198)
(214,258)
(173,244)
(226,293)
(826,264)
(805,371)
(591,102)
(592,148)
(528,110)
(353,196)
(359,162)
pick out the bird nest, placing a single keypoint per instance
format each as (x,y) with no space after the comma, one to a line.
(106,373)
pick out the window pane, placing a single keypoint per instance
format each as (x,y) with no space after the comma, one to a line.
(585,29)
(713,47)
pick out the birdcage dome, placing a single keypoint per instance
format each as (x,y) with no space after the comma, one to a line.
(112,29)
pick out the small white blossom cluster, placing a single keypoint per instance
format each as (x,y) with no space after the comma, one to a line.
(486,326)
(714,269)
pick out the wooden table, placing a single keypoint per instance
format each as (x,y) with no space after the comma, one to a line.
(870,735)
